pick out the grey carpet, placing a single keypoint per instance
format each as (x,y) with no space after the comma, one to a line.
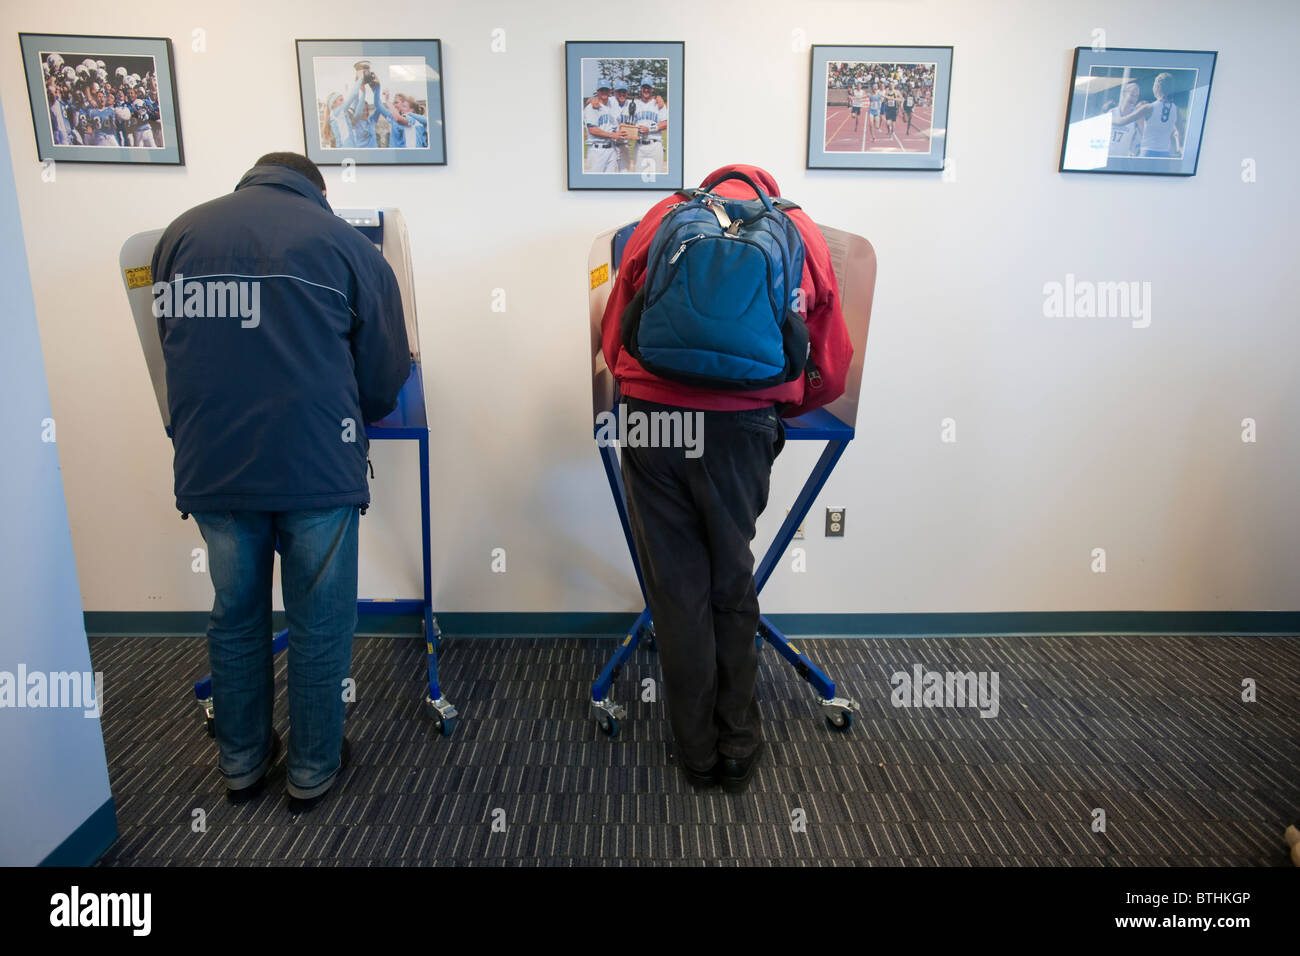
(1152,730)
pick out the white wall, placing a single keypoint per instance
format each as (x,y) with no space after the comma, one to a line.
(1073,434)
(55,773)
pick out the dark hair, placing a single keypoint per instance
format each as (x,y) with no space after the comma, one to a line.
(298,163)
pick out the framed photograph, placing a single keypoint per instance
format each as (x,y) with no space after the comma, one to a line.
(879,107)
(624,114)
(1136,111)
(103,99)
(372,102)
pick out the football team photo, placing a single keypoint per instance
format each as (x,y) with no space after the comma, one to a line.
(109,100)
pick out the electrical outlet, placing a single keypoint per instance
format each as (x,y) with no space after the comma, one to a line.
(834,522)
(798,532)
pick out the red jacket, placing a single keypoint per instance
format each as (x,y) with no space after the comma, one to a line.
(829,347)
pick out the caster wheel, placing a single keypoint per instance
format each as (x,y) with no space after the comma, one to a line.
(210,725)
(446,725)
(608,726)
(840,722)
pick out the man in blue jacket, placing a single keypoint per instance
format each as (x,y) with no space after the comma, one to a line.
(283,334)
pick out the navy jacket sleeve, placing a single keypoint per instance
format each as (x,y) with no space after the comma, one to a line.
(379,345)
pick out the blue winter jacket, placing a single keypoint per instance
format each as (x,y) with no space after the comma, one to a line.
(283,334)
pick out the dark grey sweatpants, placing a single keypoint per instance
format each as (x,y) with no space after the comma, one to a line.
(693,520)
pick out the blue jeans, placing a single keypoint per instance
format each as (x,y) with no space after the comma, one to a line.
(318,575)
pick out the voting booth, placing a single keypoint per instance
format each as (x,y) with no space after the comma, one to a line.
(855,270)
(386,228)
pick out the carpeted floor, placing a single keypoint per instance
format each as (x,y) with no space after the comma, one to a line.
(1150,730)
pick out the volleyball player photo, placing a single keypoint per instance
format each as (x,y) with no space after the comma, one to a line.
(1136,111)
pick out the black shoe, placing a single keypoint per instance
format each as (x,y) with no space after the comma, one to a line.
(299,805)
(245,794)
(734,773)
(700,779)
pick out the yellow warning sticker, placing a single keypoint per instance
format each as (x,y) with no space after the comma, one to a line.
(627,640)
(139,277)
(600,274)
(792,647)
(430,646)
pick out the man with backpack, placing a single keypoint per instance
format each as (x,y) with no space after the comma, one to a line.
(726,304)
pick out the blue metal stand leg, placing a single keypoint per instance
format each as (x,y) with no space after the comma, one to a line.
(606,712)
(436,707)
(203,686)
(799,510)
(838,710)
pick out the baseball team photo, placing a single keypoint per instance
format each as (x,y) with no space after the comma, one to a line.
(371,103)
(625,121)
(622,115)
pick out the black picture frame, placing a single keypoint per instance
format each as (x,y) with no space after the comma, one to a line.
(64,129)
(319,138)
(1108,88)
(577,149)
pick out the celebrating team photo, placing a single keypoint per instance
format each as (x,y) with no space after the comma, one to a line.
(379,102)
(102,101)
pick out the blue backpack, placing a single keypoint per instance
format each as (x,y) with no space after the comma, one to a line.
(717,306)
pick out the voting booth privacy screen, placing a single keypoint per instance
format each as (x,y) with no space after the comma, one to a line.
(386,228)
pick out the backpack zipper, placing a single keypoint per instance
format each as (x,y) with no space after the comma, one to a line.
(682,247)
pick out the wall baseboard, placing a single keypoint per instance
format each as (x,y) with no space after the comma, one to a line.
(86,844)
(614,623)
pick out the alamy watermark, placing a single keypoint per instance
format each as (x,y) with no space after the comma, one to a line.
(1085,299)
(922,688)
(637,429)
(209,298)
(52,689)
(131,911)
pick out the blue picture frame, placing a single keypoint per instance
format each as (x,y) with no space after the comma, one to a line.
(75,131)
(411,68)
(850,89)
(1117,122)
(593,63)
